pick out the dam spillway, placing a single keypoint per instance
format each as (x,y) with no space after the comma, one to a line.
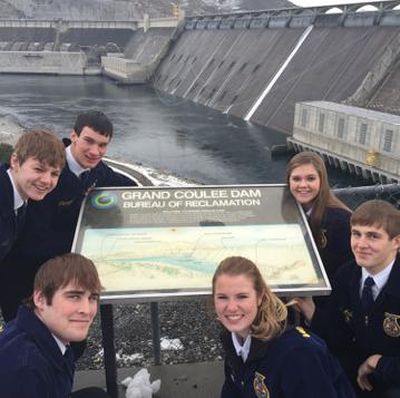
(228,68)
(256,66)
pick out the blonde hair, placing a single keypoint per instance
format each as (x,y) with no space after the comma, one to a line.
(271,317)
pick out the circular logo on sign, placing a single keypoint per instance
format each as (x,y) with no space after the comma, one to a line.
(104,200)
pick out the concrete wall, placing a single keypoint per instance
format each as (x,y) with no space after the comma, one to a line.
(229,69)
(98,36)
(144,46)
(141,58)
(125,70)
(44,62)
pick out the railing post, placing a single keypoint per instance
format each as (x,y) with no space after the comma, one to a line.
(155,324)
(110,363)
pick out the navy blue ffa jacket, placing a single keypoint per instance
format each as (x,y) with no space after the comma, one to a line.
(32,365)
(50,223)
(335,249)
(49,231)
(9,224)
(354,337)
(295,364)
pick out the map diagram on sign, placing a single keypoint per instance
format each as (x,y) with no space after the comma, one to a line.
(141,259)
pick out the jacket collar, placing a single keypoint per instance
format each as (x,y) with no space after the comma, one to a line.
(27,321)
(258,348)
(7,200)
(392,285)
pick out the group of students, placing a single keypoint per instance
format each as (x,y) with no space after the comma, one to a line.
(351,346)
(41,193)
(48,225)
(266,357)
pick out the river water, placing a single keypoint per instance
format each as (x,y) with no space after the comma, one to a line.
(154,129)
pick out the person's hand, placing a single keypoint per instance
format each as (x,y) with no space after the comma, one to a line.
(305,305)
(365,369)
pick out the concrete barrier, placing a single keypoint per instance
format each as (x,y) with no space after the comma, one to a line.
(43,62)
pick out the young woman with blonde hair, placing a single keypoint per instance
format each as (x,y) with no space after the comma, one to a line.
(328,217)
(264,358)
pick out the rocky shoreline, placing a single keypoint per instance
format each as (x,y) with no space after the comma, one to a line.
(10,130)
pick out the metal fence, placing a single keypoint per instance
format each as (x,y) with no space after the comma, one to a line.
(354,196)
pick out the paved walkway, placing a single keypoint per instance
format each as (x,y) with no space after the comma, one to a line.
(188,380)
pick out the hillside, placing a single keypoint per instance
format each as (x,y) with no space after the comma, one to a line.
(125,9)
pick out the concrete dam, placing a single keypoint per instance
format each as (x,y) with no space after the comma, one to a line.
(256,65)
(258,68)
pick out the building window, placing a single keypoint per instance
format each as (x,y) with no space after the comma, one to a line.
(363,134)
(321,122)
(304,118)
(340,128)
(388,140)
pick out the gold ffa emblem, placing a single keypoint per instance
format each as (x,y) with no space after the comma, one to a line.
(323,240)
(260,388)
(347,314)
(391,324)
(302,331)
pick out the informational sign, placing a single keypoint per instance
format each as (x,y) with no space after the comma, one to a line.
(155,242)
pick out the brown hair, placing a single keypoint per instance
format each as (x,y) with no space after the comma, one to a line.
(59,271)
(96,120)
(270,320)
(42,146)
(380,214)
(325,198)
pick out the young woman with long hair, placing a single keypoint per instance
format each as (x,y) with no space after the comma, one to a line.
(328,217)
(264,358)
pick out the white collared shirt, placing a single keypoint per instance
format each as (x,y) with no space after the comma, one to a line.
(60,344)
(18,201)
(242,350)
(380,279)
(73,165)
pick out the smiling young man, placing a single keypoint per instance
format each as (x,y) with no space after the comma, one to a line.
(362,325)
(34,348)
(50,224)
(35,166)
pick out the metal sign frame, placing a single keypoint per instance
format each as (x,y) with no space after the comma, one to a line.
(180,233)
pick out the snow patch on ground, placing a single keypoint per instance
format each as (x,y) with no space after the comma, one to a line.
(170,344)
(157,177)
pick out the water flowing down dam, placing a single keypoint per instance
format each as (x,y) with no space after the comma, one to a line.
(255,66)
(307,59)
